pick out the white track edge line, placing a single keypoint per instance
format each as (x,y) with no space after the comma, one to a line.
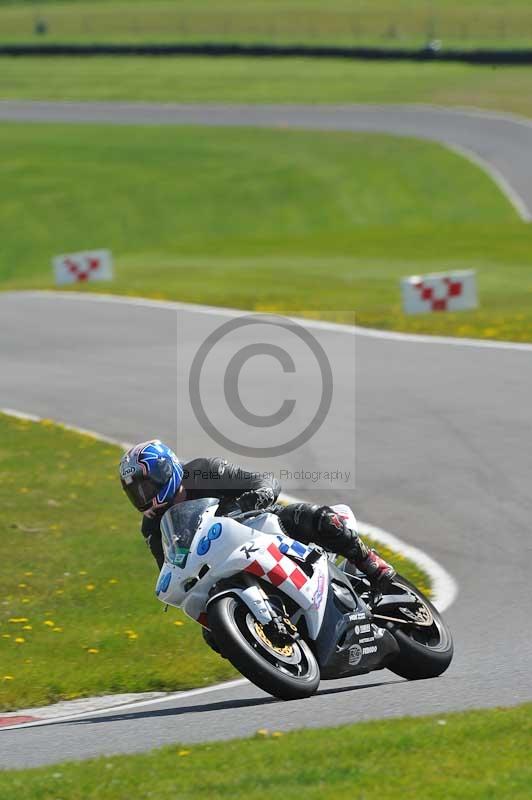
(333,327)
(127,706)
(513,197)
(12,412)
(445,591)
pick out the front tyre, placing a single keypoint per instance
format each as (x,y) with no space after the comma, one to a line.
(288,671)
(425,650)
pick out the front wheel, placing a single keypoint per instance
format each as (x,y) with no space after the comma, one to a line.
(426,648)
(288,671)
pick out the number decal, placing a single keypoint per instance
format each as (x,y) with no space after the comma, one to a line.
(163,583)
(204,543)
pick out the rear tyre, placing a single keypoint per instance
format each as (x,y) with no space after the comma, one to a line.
(289,672)
(424,651)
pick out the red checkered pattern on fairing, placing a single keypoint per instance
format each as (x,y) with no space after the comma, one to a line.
(277,568)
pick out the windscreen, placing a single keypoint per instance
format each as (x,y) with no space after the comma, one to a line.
(178,527)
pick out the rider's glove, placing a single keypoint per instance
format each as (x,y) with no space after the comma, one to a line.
(258,498)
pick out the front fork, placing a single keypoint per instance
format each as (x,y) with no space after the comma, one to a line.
(274,621)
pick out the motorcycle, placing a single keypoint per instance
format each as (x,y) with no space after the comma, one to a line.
(283,613)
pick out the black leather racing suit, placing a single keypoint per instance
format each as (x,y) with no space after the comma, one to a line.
(215,477)
(209,477)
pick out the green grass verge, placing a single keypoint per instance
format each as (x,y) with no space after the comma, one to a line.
(266,81)
(474,755)
(487,23)
(308,223)
(78,613)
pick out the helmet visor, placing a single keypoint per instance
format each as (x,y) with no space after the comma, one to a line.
(141,492)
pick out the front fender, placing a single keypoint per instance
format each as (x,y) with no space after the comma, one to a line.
(252,596)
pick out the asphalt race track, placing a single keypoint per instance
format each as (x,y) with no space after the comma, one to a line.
(443,460)
(500,142)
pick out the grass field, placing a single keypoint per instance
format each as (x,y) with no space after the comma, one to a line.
(488,23)
(318,223)
(228,80)
(78,613)
(475,755)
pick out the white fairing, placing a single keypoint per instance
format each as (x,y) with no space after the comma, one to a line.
(259,548)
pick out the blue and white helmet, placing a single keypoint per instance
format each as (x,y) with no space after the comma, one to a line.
(150,474)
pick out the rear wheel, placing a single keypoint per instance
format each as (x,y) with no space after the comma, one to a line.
(425,642)
(287,670)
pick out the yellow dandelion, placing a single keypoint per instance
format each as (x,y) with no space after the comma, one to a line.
(20,640)
(6,636)
(23,490)
(113,580)
(93,650)
(90,587)
(28,574)
(133,636)
(15,620)
(82,572)
(8,678)
(50,623)
(59,591)
(178,623)
(27,627)
(25,600)
(53,527)
(263,732)
(57,629)
(23,586)
(182,753)
(276,734)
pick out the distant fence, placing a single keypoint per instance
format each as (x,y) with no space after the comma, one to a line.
(429,53)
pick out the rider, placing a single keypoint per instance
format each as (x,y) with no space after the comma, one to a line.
(154,479)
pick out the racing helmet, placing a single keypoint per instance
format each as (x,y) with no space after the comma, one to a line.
(150,474)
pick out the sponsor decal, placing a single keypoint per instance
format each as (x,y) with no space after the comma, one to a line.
(180,559)
(367,639)
(163,583)
(360,629)
(355,655)
(367,650)
(356,615)
(248,550)
(204,544)
(318,594)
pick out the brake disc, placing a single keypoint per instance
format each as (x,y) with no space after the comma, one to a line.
(284,652)
(421,616)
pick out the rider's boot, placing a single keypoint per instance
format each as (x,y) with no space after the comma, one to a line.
(372,565)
